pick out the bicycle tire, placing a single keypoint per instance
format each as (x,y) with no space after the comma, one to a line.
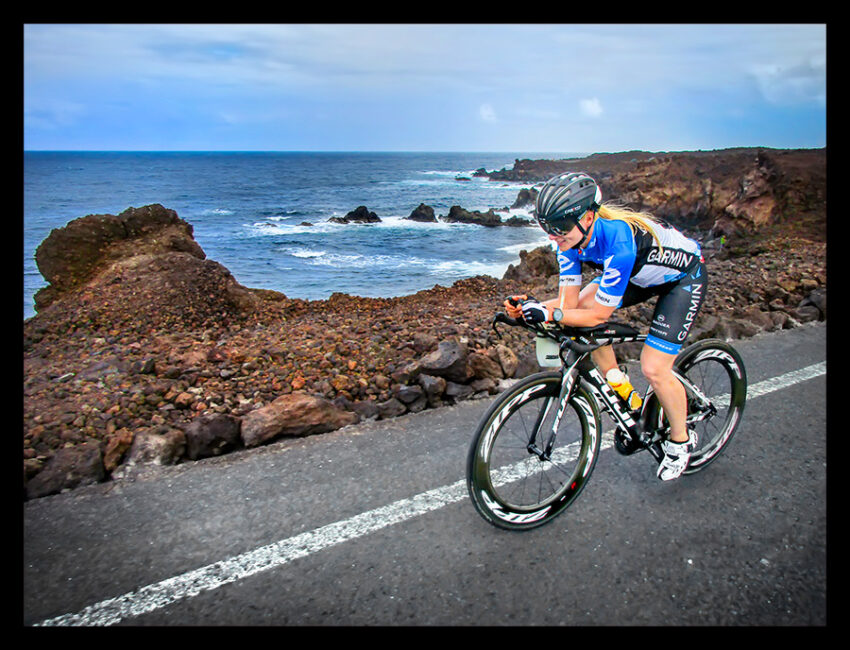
(718,370)
(500,468)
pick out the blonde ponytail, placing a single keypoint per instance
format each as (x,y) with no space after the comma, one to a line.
(643,220)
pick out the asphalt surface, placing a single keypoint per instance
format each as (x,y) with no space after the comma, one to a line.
(371,525)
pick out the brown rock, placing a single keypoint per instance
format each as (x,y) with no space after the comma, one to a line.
(298,414)
(541,262)
(184,400)
(391,408)
(449,361)
(507,359)
(116,446)
(758,317)
(212,435)
(151,448)
(140,266)
(484,366)
(409,394)
(407,373)
(458,392)
(434,387)
(70,255)
(70,467)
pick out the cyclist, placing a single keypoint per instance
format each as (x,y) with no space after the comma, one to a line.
(640,256)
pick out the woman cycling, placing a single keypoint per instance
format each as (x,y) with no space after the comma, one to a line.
(640,257)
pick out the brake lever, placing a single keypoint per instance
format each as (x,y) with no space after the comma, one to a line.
(503,318)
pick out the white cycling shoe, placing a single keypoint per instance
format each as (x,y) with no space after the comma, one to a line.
(677,455)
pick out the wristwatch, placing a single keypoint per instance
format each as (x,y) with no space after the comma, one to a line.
(557,315)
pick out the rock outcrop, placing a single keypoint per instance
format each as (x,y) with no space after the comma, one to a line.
(423,213)
(361,214)
(730,191)
(488,219)
(141,268)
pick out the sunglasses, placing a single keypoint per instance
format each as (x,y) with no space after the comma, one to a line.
(561,231)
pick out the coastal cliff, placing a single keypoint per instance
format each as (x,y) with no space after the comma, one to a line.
(730,191)
(143,351)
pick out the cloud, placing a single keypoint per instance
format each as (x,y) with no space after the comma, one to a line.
(591,107)
(487,113)
(245,75)
(798,83)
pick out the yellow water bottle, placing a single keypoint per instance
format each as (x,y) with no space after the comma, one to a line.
(619,381)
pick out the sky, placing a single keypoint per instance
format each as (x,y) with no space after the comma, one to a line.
(418,87)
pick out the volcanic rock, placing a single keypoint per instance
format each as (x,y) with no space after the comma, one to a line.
(139,268)
(71,255)
(69,468)
(434,388)
(298,414)
(449,361)
(458,215)
(538,263)
(485,366)
(731,190)
(152,448)
(361,214)
(525,199)
(423,213)
(212,435)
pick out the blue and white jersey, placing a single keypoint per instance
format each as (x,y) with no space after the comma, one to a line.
(627,257)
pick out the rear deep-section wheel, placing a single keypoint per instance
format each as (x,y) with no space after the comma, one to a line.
(715,369)
(516,478)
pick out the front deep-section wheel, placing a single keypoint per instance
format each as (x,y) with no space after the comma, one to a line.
(518,476)
(716,397)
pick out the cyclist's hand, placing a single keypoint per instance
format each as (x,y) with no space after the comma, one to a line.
(535,312)
(513,306)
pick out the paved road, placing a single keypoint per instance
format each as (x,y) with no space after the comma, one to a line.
(371,526)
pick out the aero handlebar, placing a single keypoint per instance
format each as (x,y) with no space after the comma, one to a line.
(564,335)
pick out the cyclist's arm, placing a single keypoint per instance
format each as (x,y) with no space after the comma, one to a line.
(595,315)
(567,298)
(612,285)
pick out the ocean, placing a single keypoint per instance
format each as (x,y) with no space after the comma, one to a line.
(247,211)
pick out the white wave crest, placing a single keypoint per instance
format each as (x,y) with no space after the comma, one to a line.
(305,253)
(465,269)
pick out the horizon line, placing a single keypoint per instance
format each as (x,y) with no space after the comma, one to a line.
(421,151)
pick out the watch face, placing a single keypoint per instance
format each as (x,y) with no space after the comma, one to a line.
(557,314)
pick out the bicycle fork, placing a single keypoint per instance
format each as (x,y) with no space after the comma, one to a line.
(568,382)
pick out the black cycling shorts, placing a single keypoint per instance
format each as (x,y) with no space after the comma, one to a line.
(676,309)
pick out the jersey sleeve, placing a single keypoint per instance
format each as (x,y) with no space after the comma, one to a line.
(569,267)
(617,268)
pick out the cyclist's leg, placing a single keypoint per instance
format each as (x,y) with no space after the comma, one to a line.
(675,312)
(657,367)
(604,357)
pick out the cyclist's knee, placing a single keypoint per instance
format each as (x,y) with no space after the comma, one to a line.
(655,365)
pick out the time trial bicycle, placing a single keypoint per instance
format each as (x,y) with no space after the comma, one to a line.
(536,446)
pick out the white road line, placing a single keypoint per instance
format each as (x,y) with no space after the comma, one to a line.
(213,576)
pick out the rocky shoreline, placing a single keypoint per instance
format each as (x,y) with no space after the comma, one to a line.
(145,352)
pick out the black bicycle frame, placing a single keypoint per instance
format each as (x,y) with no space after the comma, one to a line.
(577,365)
